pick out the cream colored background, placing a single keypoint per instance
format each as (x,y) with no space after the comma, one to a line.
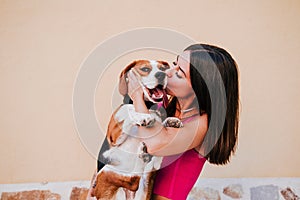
(43,44)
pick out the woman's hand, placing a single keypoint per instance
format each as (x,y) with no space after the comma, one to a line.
(135,90)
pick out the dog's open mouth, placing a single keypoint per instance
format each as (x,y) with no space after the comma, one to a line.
(157,93)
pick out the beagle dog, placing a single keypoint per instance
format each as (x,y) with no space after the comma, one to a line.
(129,172)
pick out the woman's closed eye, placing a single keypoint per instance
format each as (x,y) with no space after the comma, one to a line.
(179,71)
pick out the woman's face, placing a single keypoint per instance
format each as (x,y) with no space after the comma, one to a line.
(179,81)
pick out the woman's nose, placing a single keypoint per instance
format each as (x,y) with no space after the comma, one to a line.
(169,72)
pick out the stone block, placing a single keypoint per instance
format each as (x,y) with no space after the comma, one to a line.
(289,194)
(79,193)
(30,195)
(204,194)
(235,191)
(265,192)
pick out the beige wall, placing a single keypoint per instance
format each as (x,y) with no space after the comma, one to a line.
(43,44)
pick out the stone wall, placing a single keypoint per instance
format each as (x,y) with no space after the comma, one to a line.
(205,189)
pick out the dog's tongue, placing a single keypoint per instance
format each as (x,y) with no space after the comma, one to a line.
(158,93)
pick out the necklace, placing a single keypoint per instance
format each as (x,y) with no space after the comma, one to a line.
(186,110)
(183,112)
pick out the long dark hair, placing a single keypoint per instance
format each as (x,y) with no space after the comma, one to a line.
(206,63)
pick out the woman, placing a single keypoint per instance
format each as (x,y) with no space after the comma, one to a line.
(193,82)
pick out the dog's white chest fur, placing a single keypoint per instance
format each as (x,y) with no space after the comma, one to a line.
(125,156)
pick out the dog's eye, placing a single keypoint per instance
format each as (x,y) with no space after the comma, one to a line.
(162,69)
(145,69)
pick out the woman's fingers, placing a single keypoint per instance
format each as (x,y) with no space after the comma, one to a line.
(131,76)
(134,87)
(132,81)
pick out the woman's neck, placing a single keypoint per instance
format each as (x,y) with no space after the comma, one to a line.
(186,106)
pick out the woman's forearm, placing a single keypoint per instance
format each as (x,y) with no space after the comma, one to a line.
(164,141)
(140,106)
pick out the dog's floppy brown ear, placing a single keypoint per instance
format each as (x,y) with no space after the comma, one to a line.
(123,89)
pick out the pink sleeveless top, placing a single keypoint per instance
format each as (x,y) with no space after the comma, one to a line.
(178,174)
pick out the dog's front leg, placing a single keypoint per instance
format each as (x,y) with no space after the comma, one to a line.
(90,195)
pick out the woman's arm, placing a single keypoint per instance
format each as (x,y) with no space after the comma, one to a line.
(163,141)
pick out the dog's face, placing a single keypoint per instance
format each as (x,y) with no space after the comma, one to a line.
(152,76)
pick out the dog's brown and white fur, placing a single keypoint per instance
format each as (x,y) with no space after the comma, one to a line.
(130,171)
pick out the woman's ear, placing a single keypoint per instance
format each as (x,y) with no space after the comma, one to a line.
(123,88)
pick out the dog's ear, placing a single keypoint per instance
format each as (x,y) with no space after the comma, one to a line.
(123,89)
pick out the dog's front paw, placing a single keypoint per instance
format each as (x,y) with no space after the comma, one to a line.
(147,122)
(141,119)
(173,122)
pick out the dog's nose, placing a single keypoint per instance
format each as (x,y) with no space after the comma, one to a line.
(160,76)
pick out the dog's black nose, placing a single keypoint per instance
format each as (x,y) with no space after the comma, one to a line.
(160,76)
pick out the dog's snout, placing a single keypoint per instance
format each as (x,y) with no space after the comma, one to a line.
(160,76)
